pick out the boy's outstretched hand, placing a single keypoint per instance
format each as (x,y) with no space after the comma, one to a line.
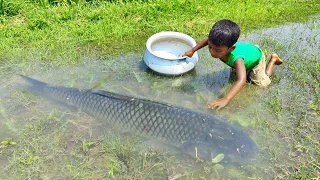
(189,53)
(219,103)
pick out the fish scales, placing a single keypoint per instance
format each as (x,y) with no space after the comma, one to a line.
(177,125)
(136,114)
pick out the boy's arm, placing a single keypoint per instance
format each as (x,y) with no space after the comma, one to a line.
(238,85)
(200,45)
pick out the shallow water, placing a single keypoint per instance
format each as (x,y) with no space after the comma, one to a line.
(263,114)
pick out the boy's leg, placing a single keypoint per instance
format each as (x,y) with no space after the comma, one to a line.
(274,60)
(258,74)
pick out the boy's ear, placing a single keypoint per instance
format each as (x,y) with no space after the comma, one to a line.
(232,47)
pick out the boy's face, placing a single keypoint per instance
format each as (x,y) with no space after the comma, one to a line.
(219,51)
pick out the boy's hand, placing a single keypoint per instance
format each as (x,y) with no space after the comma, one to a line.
(189,53)
(219,103)
(236,87)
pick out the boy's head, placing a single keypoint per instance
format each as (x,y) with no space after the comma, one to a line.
(222,37)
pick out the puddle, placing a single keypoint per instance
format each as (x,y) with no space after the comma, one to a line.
(261,113)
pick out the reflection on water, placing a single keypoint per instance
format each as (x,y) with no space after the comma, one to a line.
(127,74)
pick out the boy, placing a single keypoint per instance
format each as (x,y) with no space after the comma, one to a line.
(244,58)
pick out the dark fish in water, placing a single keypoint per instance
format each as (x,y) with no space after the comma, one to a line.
(181,127)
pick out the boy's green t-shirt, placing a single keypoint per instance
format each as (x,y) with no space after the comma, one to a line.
(251,55)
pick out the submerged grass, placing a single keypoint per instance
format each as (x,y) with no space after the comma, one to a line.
(47,145)
(295,102)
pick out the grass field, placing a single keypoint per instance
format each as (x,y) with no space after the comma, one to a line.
(60,32)
(78,43)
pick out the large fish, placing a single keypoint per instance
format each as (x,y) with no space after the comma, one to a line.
(184,128)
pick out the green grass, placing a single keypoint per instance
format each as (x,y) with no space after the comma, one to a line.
(63,31)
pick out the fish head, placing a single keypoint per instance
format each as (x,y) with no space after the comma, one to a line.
(233,143)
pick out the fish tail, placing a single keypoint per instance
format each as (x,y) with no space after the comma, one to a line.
(33,84)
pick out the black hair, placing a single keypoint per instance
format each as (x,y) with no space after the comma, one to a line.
(224,32)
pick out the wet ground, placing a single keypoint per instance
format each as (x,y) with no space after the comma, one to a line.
(268,115)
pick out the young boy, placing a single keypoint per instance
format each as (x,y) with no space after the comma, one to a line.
(246,59)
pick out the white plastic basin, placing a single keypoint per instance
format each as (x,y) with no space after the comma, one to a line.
(164,53)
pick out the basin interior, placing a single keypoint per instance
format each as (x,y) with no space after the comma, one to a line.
(170,47)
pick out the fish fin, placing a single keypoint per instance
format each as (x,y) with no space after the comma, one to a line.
(125,97)
(113,95)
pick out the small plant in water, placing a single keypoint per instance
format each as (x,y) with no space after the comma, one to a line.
(28,158)
(86,145)
(7,142)
(217,166)
(113,165)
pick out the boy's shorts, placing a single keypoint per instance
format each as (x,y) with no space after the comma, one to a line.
(258,74)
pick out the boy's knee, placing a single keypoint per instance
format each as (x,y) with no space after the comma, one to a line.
(260,79)
(265,83)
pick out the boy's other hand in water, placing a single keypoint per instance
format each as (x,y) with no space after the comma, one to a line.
(189,53)
(219,103)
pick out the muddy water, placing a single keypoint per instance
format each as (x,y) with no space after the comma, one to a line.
(261,113)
